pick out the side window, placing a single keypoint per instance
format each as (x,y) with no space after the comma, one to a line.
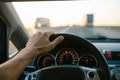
(12,49)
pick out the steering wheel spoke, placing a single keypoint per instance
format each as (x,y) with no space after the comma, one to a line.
(90,73)
(32,76)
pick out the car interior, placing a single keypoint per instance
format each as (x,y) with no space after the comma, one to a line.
(90,50)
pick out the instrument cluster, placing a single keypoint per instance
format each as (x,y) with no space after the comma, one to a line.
(66,56)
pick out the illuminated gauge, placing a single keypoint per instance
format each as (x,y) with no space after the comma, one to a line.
(45,61)
(88,61)
(67,57)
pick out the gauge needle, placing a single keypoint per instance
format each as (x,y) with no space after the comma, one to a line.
(86,61)
(66,54)
(47,62)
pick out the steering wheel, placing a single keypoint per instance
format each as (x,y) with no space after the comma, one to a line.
(72,72)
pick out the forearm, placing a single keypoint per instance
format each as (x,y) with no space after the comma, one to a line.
(11,69)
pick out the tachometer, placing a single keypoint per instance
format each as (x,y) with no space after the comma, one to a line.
(67,57)
(88,61)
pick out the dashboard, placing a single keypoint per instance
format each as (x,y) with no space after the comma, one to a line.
(77,55)
(74,52)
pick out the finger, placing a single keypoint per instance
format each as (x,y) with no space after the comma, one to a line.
(57,41)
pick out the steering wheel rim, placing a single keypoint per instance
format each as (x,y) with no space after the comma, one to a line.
(102,70)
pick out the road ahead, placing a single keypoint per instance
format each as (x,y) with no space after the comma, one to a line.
(110,32)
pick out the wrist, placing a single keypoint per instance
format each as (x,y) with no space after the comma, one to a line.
(27,54)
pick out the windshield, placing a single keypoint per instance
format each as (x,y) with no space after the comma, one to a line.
(92,19)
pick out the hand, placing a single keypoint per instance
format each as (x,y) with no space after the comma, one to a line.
(40,44)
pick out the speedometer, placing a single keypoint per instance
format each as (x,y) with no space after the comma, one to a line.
(67,57)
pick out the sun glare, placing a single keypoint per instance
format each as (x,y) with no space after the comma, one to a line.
(61,13)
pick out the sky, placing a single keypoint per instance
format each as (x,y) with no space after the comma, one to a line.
(106,12)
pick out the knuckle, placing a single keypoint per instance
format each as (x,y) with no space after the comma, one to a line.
(45,34)
(52,46)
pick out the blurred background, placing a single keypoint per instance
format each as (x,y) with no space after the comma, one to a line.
(91,19)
